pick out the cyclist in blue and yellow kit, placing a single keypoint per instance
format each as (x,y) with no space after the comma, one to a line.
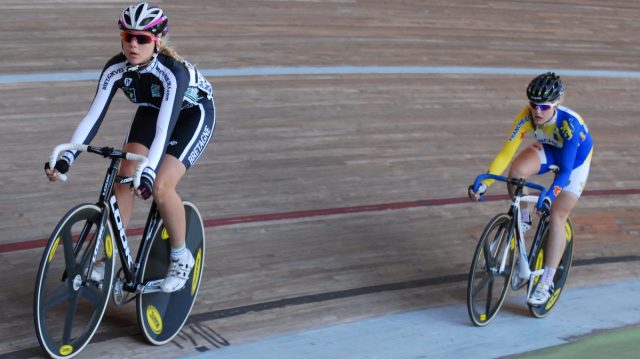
(563,140)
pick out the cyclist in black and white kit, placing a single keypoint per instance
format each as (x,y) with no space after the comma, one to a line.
(172,126)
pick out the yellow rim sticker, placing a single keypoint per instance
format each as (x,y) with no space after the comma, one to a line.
(539,264)
(154,319)
(54,248)
(540,260)
(165,234)
(553,299)
(108,246)
(567,228)
(196,272)
(66,350)
(483,317)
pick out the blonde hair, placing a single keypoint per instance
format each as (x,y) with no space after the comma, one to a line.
(165,49)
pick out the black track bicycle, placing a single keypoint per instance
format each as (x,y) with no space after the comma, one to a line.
(69,301)
(501,259)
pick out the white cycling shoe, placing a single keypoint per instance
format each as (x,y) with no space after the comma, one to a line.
(178,274)
(541,294)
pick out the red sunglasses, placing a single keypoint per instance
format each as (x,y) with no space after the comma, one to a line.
(142,39)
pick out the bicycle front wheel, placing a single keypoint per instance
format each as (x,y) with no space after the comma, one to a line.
(68,302)
(491,270)
(562,272)
(161,316)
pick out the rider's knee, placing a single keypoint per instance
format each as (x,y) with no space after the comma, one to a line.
(516,172)
(559,214)
(127,168)
(162,189)
(520,168)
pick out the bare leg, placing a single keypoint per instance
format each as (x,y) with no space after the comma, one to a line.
(168,201)
(124,192)
(172,212)
(560,210)
(524,165)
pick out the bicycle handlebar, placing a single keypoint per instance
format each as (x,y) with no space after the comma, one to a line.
(513,181)
(142,160)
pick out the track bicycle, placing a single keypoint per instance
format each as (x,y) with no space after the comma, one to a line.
(69,301)
(501,259)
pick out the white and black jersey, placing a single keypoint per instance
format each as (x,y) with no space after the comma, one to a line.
(173,97)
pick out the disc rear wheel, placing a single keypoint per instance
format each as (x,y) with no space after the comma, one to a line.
(562,272)
(161,316)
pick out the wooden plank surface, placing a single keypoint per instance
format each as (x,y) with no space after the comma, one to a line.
(300,143)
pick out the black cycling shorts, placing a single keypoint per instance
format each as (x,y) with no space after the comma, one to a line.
(190,136)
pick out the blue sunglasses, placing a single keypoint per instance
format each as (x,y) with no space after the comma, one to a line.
(541,107)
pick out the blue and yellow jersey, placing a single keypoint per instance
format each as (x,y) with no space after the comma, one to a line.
(566,132)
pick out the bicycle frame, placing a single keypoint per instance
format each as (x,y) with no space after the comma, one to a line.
(68,311)
(524,265)
(108,203)
(524,270)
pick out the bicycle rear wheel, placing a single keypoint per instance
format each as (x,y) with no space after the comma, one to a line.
(161,316)
(488,284)
(562,272)
(68,303)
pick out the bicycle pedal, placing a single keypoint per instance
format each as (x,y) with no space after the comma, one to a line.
(151,286)
(517,283)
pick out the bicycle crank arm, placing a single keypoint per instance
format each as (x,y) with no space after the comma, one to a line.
(534,274)
(150,287)
(523,268)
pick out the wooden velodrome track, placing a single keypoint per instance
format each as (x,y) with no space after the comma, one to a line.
(330,197)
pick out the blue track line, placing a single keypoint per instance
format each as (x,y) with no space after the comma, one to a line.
(335,70)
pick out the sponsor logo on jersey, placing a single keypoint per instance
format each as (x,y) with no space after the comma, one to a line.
(155,91)
(107,79)
(203,84)
(168,85)
(549,135)
(192,94)
(567,129)
(130,92)
(128,81)
(518,127)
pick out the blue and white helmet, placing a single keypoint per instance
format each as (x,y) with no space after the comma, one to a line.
(144,17)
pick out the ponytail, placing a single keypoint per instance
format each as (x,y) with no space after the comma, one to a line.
(165,49)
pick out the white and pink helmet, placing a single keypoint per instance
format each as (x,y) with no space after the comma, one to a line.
(144,17)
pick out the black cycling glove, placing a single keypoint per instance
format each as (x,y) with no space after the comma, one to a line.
(546,205)
(146,183)
(61,166)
